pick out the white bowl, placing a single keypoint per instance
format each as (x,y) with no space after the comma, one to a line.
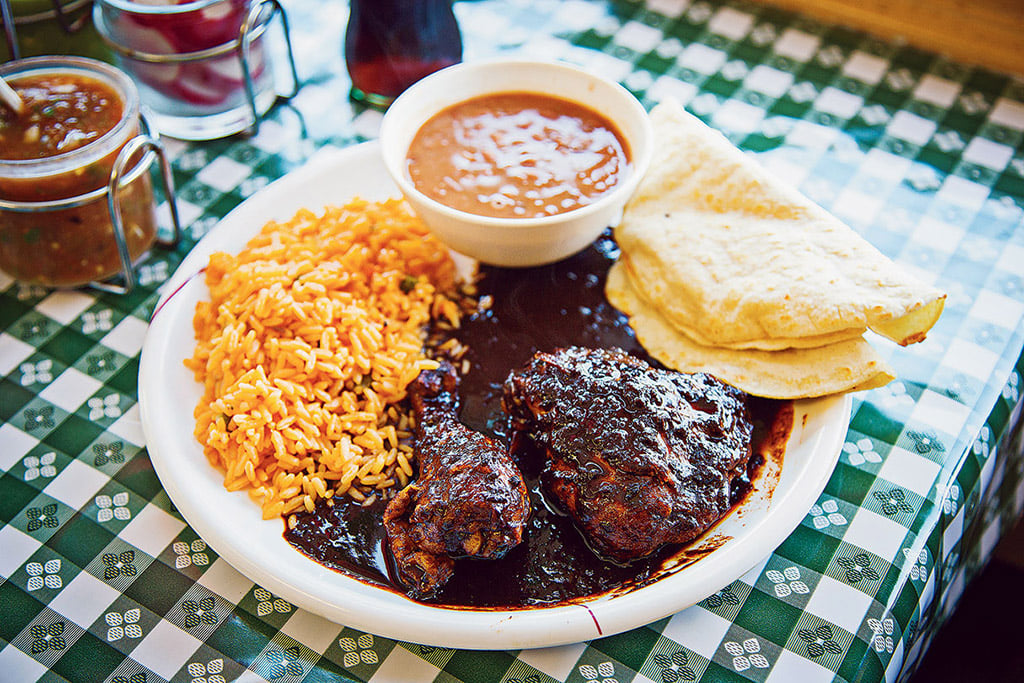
(515,241)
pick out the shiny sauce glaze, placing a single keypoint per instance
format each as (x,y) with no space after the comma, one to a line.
(540,308)
(517,155)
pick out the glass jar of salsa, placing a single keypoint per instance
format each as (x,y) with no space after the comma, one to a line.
(76,197)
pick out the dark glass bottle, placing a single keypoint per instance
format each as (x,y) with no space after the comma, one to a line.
(391,44)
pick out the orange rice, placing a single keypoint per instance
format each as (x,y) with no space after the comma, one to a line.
(309,340)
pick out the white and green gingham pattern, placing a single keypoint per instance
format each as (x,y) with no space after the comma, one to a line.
(100,578)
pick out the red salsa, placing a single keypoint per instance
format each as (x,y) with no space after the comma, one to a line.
(62,113)
(517,155)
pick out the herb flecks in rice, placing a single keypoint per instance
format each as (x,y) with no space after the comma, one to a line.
(306,347)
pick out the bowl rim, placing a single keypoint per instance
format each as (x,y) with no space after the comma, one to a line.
(641,146)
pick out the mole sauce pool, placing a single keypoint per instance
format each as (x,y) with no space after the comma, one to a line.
(533,309)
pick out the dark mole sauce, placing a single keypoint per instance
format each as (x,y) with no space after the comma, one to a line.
(533,309)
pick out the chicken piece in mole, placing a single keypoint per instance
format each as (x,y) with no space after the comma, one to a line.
(637,456)
(469,500)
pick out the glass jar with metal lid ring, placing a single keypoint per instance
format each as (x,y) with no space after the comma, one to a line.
(76,199)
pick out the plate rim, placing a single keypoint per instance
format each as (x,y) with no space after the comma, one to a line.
(823,421)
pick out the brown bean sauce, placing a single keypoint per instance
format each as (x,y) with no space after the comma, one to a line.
(540,308)
(517,155)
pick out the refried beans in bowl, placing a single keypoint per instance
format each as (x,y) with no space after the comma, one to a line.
(517,155)
(516,163)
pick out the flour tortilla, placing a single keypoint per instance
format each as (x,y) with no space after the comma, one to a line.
(850,365)
(768,344)
(732,257)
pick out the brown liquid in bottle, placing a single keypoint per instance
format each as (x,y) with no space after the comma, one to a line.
(391,44)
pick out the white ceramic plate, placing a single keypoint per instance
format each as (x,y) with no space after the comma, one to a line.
(231,524)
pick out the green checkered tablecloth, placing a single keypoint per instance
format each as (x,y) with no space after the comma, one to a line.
(101,579)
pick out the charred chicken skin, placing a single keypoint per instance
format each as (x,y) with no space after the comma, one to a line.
(638,457)
(469,500)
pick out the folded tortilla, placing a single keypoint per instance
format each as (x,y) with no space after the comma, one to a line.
(850,365)
(732,257)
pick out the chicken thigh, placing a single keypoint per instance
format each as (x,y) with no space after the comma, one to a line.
(638,457)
